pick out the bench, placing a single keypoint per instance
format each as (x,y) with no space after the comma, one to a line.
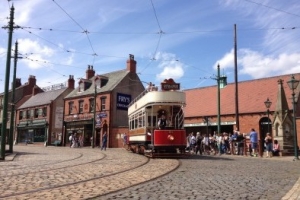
(56,143)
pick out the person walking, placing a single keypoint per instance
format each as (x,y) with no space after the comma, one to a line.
(268,141)
(104,141)
(253,141)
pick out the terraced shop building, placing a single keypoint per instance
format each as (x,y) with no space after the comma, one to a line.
(99,104)
(40,118)
(201,112)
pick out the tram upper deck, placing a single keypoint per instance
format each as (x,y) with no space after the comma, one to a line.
(148,98)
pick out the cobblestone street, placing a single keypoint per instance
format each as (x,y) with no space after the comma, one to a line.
(35,172)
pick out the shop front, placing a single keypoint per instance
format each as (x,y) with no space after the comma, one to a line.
(80,129)
(32,131)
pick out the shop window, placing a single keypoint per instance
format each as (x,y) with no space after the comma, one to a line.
(103,102)
(36,113)
(71,105)
(28,114)
(40,112)
(92,105)
(20,115)
(44,111)
(80,106)
(24,113)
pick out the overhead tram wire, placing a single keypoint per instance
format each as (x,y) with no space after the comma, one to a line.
(158,43)
(84,31)
(66,50)
(270,7)
(47,62)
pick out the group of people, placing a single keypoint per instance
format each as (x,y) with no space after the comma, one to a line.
(229,143)
(272,149)
(75,141)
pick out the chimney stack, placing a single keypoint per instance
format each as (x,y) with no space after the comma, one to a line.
(131,64)
(31,80)
(18,83)
(35,90)
(71,82)
(90,72)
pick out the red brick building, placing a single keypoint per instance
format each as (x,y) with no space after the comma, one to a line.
(99,104)
(21,91)
(39,118)
(202,105)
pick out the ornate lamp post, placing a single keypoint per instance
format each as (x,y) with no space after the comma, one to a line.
(293,83)
(268,104)
(222,82)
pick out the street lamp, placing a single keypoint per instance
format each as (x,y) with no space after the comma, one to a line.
(206,120)
(293,83)
(268,104)
(222,82)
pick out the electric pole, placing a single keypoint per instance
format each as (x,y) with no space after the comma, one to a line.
(6,84)
(236,82)
(12,107)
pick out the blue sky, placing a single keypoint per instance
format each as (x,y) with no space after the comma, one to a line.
(183,40)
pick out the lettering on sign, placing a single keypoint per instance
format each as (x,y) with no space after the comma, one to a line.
(123,100)
(174,86)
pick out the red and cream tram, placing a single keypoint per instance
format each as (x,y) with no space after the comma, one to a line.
(156,121)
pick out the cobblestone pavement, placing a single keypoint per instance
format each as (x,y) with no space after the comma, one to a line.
(86,173)
(222,177)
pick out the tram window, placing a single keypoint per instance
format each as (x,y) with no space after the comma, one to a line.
(135,123)
(154,121)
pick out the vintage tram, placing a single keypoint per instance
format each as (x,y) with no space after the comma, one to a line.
(156,120)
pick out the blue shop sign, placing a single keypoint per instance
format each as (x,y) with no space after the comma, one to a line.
(123,100)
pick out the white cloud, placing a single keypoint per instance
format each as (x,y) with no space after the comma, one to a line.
(257,65)
(170,66)
(39,53)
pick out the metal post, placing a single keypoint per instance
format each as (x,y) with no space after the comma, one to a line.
(268,112)
(219,106)
(94,117)
(295,128)
(5,99)
(12,110)
(207,126)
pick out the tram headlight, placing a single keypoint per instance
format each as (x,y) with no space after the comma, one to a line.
(171,137)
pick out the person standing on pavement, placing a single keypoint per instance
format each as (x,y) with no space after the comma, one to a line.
(253,141)
(104,141)
(268,141)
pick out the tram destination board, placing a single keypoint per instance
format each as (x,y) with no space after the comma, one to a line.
(170,86)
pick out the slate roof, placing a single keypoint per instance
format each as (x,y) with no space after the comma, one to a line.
(114,78)
(43,98)
(252,95)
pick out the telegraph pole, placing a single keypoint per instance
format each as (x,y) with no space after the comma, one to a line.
(236,82)
(12,112)
(5,99)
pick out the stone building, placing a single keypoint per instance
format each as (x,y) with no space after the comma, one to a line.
(99,104)
(201,110)
(39,118)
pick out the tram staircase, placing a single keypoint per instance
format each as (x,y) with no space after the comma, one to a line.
(178,118)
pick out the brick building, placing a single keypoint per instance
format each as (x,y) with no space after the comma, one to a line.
(40,117)
(99,104)
(202,105)
(21,91)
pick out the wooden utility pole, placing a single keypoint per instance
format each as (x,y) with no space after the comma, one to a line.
(236,81)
